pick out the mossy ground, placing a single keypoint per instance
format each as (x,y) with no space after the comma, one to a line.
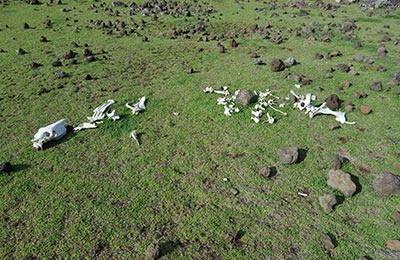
(97,195)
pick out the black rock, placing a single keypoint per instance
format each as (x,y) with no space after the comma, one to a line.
(60,75)
(74,45)
(25,26)
(35,65)
(43,39)
(56,63)
(90,59)
(70,55)
(21,51)
(5,167)
(87,52)
(88,77)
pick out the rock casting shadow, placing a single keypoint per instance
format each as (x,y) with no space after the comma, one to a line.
(356,181)
(20,167)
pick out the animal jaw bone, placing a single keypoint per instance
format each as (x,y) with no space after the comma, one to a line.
(304,103)
(99,112)
(51,132)
(137,107)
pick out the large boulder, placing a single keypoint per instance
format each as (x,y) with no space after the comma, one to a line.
(341,181)
(288,155)
(245,97)
(387,184)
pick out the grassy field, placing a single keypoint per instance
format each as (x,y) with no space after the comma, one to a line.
(96,194)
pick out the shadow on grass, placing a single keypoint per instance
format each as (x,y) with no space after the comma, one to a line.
(356,181)
(20,167)
(302,155)
(168,247)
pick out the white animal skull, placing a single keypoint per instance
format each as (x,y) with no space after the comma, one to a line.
(51,132)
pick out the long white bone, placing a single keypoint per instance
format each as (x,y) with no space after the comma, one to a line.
(135,136)
(85,126)
(137,107)
(51,132)
(99,112)
(270,120)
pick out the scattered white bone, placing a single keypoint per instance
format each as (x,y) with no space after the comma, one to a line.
(277,110)
(51,132)
(297,86)
(282,105)
(255,119)
(113,116)
(99,112)
(270,119)
(257,113)
(175,113)
(85,126)
(135,136)
(137,107)
(302,194)
(208,90)
(304,103)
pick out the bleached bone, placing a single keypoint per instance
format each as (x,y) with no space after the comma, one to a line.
(51,132)
(208,90)
(324,109)
(257,113)
(271,103)
(137,107)
(85,126)
(135,136)
(304,103)
(99,112)
(113,116)
(298,86)
(255,119)
(270,119)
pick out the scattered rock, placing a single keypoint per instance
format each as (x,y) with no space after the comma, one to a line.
(43,91)
(234,191)
(396,165)
(267,171)
(327,242)
(396,74)
(60,75)
(353,73)
(5,167)
(288,155)
(152,251)
(348,108)
(392,82)
(306,81)
(25,26)
(258,61)
(346,84)
(233,43)
(277,65)
(387,254)
(43,39)
(231,236)
(70,55)
(357,44)
(332,101)
(344,67)
(386,184)
(89,59)
(365,110)
(393,245)
(221,48)
(245,97)
(360,94)
(381,52)
(74,45)
(190,70)
(396,216)
(376,86)
(327,202)
(35,65)
(341,181)
(87,52)
(254,55)
(21,51)
(319,56)
(56,63)
(289,62)
(359,58)
(88,77)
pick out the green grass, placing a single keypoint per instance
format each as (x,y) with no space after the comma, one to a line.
(96,194)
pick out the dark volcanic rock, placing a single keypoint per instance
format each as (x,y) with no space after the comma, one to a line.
(376,86)
(277,65)
(288,155)
(43,39)
(233,43)
(70,55)
(327,201)
(87,52)
(344,67)
(25,26)
(245,97)
(91,58)
(5,167)
(341,181)
(327,243)
(332,101)
(56,63)
(387,184)
(60,74)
